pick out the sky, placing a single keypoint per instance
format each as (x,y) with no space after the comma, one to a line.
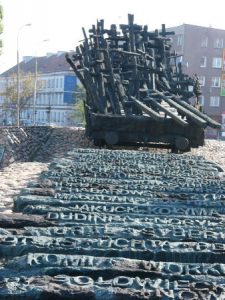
(61,21)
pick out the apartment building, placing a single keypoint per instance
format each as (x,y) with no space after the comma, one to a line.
(203,53)
(53,100)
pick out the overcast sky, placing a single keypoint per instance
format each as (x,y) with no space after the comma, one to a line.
(60,21)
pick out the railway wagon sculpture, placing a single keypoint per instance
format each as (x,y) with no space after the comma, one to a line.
(136,92)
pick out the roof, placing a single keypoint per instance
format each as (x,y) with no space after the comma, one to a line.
(197,27)
(46,64)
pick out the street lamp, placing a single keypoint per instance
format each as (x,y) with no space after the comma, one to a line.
(18,76)
(35,86)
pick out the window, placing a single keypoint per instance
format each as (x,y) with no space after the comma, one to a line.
(215,101)
(222,91)
(179,40)
(215,82)
(204,42)
(54,116)
(217,62)
(61,83)
(203,62)
(42,116)
(58,99)
(201,80)
(218,43)
(38,116)
(201,100)
(53,99)
(46,99)
(50,99)
(179,59)
(190,88)
(59,116)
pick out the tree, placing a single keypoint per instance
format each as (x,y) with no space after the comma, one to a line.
(10,94)
(1,27)
(78,115)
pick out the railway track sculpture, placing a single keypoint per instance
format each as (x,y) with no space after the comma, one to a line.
(117,225)
(136,93)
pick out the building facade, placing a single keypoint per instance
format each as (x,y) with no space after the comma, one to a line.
(53,97)
(203,53)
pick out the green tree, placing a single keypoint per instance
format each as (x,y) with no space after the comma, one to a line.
(1,26)
(78,115)
(10,93)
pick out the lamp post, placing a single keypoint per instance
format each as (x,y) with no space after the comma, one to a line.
(35,86)
(18,77)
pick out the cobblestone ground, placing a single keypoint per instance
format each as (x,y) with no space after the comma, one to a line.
(16,176)
(63,140)
(213,150)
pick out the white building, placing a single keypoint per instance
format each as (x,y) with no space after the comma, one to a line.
(55,92)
